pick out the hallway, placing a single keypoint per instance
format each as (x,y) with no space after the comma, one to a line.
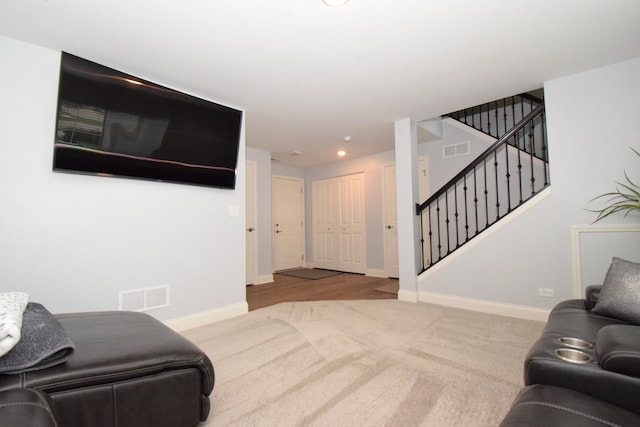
(345,286)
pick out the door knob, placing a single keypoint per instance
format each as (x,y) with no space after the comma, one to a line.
(278,231)
(389,227)
(250,229)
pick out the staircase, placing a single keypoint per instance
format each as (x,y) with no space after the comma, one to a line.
(505,176)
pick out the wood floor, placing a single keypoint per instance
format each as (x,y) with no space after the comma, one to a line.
(344,286)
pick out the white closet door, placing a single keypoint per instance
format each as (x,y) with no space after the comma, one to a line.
(339,223)
(324,227)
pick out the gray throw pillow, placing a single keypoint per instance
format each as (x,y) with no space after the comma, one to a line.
(620,294)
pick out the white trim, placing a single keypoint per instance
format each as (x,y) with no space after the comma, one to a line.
(576,230)
(264,278)
(254,220)
(490,307)
(388,269)
(376,273)
(206,317)
(485,234)
(407,296)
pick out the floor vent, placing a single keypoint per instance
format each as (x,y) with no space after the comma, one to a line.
(454,150)
(144,299)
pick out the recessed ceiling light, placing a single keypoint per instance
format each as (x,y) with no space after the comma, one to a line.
(342,153)
(335,3)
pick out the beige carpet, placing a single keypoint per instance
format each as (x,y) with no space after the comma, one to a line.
(364,363)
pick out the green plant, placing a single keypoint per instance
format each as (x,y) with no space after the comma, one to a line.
(626,198)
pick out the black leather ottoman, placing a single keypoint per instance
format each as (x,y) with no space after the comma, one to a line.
(25,407)
(546,406)
(128,369)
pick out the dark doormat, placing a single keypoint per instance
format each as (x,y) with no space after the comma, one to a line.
(309,273)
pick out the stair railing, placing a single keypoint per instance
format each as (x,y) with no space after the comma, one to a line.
(495,118)
(502,178)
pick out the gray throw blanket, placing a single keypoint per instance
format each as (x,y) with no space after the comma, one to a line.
(44,343)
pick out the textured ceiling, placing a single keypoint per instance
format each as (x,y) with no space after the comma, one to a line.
(308,75)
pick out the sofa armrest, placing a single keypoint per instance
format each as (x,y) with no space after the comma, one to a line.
(26,407)
(618,348)
(591,296)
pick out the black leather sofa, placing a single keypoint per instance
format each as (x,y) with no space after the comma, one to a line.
(584,370)
(128,369)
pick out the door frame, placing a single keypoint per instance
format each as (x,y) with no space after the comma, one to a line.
(388,269)
(252,270)
(303,219)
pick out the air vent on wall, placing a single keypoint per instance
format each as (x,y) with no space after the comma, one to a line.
(453,150)
(144,299)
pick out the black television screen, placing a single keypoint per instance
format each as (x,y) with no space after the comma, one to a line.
(111,123)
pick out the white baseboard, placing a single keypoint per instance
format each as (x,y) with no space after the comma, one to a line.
(490,307)
(375,273)
(206,317)
(407,296)
(265,278)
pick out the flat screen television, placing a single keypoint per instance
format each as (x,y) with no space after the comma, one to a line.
(113,124)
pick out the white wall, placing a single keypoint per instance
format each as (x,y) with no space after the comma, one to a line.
(441,169)
(73,241)
(592,119)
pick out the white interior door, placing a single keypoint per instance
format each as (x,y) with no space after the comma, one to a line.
(251,233)
(288,223)
(390,223)
(339,223)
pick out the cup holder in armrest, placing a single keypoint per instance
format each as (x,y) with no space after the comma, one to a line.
(575,342)
(572,355)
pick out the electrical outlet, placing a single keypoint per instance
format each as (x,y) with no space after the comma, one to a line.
(545,292)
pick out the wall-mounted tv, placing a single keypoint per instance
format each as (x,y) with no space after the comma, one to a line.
(110,123)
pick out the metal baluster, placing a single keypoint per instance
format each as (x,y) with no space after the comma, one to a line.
(495,169)
(466,211)
(508,176)
(489,119)
(430,237)
(447,222)
(497,119)
(504,116)
(455,213)
(531,156)
(513,112)
(520,172)
(473,118)
(486,194)
(438,229)
(475,197)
